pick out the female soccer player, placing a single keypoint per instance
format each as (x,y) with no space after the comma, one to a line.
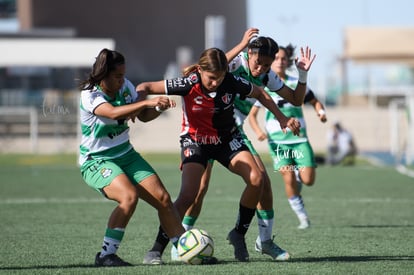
(109,163)
(209,131)
(290,153)
(254,66)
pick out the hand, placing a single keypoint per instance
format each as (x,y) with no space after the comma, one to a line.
(262,136)
(293,124)
(323,118)
(163,103)
(249,35)
(322,115)
(306,59)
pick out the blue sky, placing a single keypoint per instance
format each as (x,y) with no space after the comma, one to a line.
(320,24)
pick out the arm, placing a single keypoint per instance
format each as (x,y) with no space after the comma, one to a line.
(249,34)
(254,124)
(155,87)
(319,108)
(149,114)
(152,88)
(133,109)
(303,65)
(292,123)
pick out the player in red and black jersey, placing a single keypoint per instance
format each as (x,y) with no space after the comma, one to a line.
(208,115)
(208,132)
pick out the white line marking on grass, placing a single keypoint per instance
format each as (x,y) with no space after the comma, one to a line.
(51,200)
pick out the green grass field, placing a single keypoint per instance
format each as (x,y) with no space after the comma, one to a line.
(53,223)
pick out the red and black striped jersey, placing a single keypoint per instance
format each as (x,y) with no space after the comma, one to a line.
(208,118)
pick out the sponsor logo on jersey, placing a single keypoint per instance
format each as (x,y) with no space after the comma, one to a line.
(176,83)
(193,78)
(196,108)
(198,100)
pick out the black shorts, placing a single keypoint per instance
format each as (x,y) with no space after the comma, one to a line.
(223,152)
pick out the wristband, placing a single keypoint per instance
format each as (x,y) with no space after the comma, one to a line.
(158,109)
(303,75)
(321,112)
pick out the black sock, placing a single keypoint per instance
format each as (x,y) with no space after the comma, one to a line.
(245,218)
(161,242)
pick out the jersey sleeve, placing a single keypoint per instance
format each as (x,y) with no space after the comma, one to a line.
(91,99)
(181,85)
(309,95)
(244,87)
(235,63)
(131,88)
(274,83)
(258,104)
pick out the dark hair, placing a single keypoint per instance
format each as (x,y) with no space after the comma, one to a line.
(106,62)
(264,46)
(211,60)
(338,126)
(290,51)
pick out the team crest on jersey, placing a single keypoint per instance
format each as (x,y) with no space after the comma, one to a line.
(188,152)
(127,96)
(226,98)
(105,172)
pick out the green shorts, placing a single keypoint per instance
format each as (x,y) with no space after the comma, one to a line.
(98,173)
(296,154)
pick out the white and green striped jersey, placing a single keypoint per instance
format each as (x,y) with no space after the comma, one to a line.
(272,126)
(104,138)
(239,66)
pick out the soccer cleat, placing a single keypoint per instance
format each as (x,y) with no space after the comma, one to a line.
(304,224)
(174,254)
(153,258)
(273,250)
(239,243)
(110,260)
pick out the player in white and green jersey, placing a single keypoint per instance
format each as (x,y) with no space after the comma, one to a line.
(254,66)
(292,155)
(109,163)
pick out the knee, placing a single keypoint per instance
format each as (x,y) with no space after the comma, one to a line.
(256,179)
(165,200)
(129,200)
(309,183)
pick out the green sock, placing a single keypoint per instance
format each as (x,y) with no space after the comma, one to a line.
(188,222)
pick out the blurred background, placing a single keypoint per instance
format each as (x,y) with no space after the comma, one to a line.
(363,71)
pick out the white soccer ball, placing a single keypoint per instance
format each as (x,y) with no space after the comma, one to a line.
(194,245)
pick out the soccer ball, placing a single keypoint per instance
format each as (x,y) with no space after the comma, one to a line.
(194,245)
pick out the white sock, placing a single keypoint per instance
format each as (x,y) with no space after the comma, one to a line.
(265,229)
(109,246)
(187,227)
(296,203)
